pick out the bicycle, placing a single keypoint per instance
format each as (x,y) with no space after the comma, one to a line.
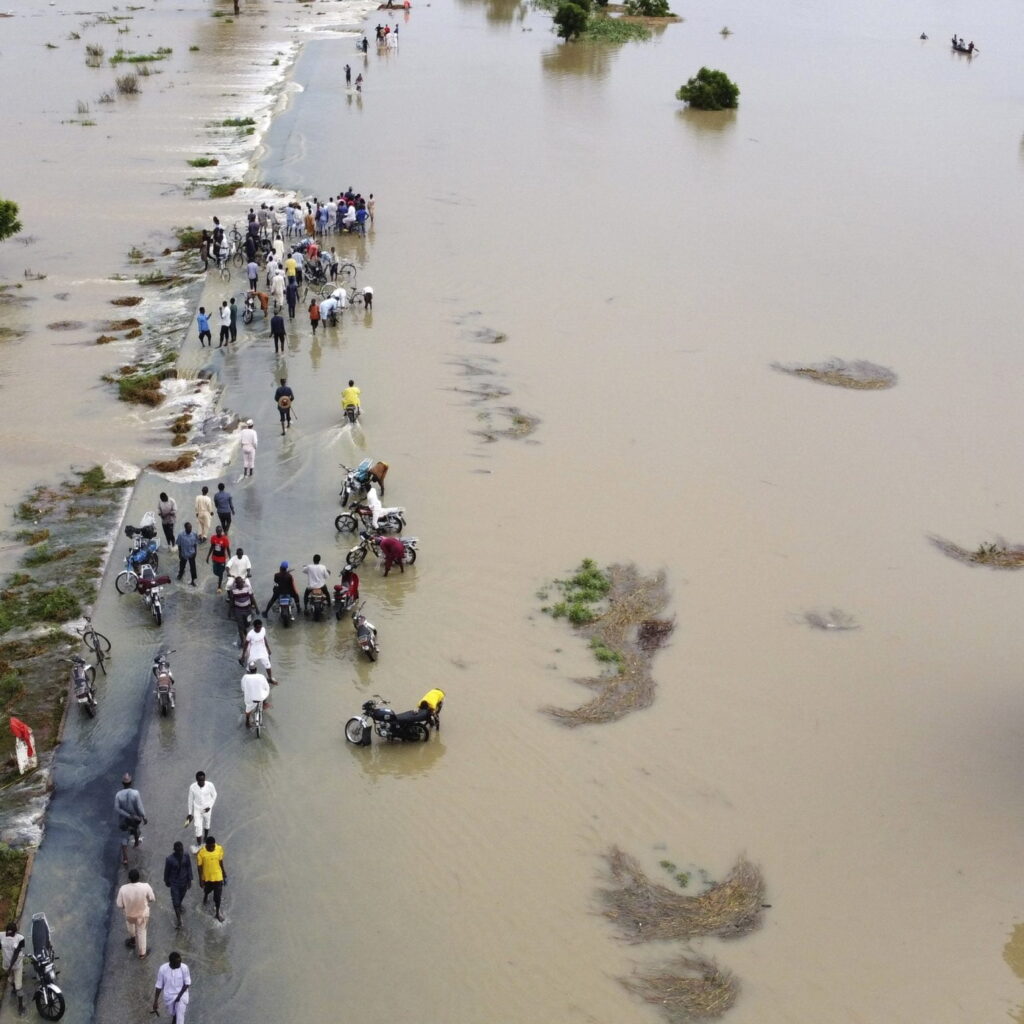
(235,235)
(347,270)
(257,717)
(95,642)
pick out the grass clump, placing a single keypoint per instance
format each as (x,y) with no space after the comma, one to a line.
(183,461)
(614,30)
(12,874)
(31,537)
(618,611)
(126,300)
(203,161)
(237,122)
(59,604)
(189,238)
(141,389)
(689,988)
(646,911)
(860,375)
(127,85)
(225,189)
(127,57)
(40,554)
(996,555)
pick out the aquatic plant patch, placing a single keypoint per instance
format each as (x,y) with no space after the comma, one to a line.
(993,555)
(859,375)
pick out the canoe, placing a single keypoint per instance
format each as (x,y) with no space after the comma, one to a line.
(964,49)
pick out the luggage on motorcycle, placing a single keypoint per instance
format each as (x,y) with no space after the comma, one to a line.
(149,582)
(148,531)
(432,700)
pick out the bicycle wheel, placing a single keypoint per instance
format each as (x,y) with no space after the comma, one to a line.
(358,301)
(225,272)
(239,258)
(348,271)
(96,642)
(326,290)
(236,236)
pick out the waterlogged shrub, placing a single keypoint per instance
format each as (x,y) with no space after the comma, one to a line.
(710,90)
(127,85)
(571,20)
(614,30)
(648,8)
(56,605)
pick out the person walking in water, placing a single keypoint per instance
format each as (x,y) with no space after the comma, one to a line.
(284,396)
(178,878)
(314,315)
(203,320)
(220,548)
(233,310)
(348,75)
(202,795)
(130,815)
(12,944)
(225,507)
(204,514)
(134,898)
(249,441)
(225,325)
(188,546)
(212,875)
(167,510)
(173,981)
(277,332)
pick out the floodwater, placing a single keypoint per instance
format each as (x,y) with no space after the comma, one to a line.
(646,265)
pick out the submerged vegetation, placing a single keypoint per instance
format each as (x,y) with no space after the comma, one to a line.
(587,20)
(996,555)
(710,90)
(621,614)
(225,188)
(689,988)
(860,375)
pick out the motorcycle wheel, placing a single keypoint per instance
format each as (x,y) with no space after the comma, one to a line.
(345,523)
(90,675)
(247,316)
(165,706)
(354,731)
(158,613)
(410,556)
(286,620)
(127,582)
(371,653)
(356,558)
(154,560)
(51,1005)
(394,522)
(418,731)
(90,707)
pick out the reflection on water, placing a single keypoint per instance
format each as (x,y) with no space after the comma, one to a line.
(707,122)
(593,60)
(397,760)
(500,11)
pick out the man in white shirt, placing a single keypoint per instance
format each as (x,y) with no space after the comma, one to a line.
(225,324)
(134,898)
(12,944)
(317,576)
(238,565)
(257,648)
(327,309)
(173,980)
(254,687)
(249,441)
(202,795)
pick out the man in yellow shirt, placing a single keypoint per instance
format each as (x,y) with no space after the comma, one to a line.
(291,266)
(350,396)
(212,876)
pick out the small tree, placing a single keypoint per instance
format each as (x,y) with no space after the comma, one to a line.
(571,19)
(709,90)
(648,8)
(9,223)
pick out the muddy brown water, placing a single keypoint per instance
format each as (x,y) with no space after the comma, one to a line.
(647,265)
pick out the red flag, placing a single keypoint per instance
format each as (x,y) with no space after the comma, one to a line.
(20,730)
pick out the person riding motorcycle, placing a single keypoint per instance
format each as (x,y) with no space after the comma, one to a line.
(347,592)
(284,583)
(317,576)
(350,397)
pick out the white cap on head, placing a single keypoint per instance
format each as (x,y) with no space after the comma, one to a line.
(248,423)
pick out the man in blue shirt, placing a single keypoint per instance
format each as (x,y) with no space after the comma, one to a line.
(225,507)
(178,878)
(204,327)
(188,545)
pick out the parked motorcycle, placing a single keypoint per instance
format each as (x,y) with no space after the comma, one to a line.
(48,997)
(366,633)
(286,609)
(391,520)
(371,542)
(164,680)
(411,726)
(150,586)
(318,603)
(83,682)
(142,552)
(358,481)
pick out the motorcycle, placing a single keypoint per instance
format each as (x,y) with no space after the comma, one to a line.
(352,413)
(164,680)
(142,552)
(83,682)
(412,726)
(357,481)
(150,586)
(391,520)
(366,633)
(318,603)
(48,997)
(286,609)
(371,542)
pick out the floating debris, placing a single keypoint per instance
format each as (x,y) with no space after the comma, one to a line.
(997,555)
(835,618)
(860,375)
(689,988)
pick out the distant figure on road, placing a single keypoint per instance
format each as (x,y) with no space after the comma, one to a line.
(178,878)
(130,814)
(249,441)
(225,507)
(284,396)
(220,548)
(167,510)
(202,795)
(188,545)
(173,982)
(134,898)
(348,75)
(204,514)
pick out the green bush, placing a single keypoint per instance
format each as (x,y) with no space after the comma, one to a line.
(225,189)
(570,20)
(203,161)
(614,30)
(40,554)
(649,8)
(709,90)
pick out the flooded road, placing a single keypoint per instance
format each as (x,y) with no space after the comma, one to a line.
(646,265)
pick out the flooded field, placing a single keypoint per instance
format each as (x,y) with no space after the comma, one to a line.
(555,236)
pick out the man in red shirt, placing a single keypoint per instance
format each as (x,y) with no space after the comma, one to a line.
(220,548)
(393,551)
